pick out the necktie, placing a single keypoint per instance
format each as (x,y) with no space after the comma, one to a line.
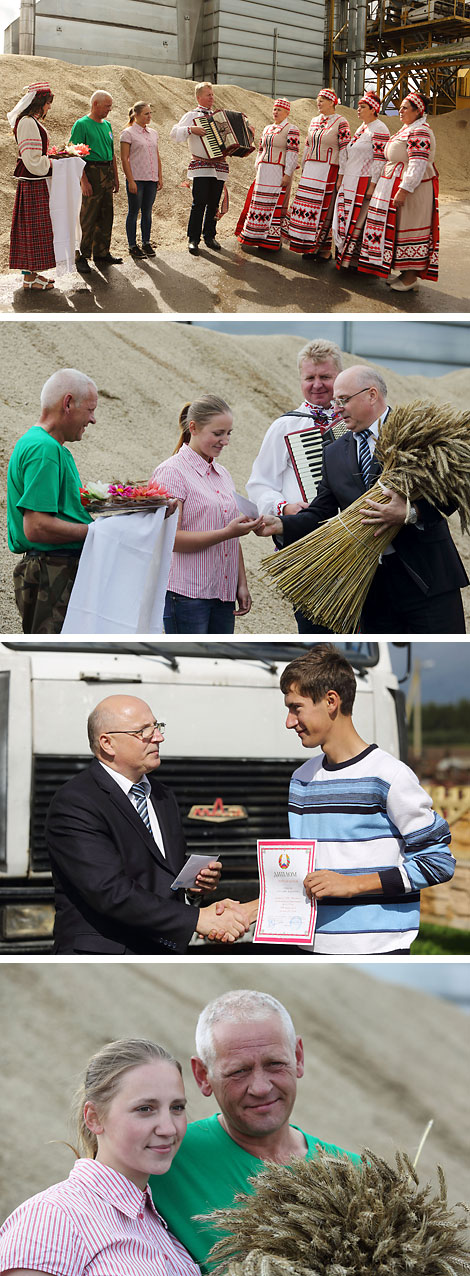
(142,809)
(365,459)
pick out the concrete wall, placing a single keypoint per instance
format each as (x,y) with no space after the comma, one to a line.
(156,36)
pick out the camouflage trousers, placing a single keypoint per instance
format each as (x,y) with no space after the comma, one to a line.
(43,585)
(97,211)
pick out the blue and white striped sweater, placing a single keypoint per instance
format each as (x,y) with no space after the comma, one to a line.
(370,815)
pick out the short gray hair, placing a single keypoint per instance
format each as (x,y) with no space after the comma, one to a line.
(65,381)
(369,376)
(100,93)
(241,1005)
(97,724)
(319,351)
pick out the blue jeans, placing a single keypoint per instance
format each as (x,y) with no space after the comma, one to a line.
(141,203)
(197,615)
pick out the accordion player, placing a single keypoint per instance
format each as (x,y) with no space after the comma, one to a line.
(226,133)
(305,448)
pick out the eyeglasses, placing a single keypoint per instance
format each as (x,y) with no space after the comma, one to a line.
(144,733)
(343,399)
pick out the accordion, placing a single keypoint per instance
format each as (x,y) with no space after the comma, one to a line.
(226,133)
(305,448)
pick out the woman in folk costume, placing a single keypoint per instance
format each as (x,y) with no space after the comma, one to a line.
(402,227)
(31,239)
(260,223)
(365,160)
(324,159)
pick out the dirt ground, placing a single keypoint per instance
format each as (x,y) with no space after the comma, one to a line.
(381,1060)
(145,372)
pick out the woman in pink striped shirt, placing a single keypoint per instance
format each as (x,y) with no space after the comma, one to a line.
(207,576)
(101,1221)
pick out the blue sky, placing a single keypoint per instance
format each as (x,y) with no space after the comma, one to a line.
(445,670)
(441,979)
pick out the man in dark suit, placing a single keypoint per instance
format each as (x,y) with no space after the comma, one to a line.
(116,844)
(416,588)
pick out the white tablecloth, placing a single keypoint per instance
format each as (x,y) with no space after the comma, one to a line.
(122,578)
(65,198)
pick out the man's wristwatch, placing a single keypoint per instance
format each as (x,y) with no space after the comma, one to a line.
(412,516)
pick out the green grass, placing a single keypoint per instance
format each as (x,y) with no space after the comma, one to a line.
(442,941)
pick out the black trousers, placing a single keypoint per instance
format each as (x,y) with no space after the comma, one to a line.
(206,197)
(395,604)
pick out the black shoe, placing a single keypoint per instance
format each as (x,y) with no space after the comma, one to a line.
(193,247)
(109,260)
(83,265)
(135,251)
(148,250)
(214,244)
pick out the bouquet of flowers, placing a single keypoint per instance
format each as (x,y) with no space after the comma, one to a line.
(123,498)
(333,1217)
(70,149)
(424,450)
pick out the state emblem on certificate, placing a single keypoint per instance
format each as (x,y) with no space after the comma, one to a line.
(286,915)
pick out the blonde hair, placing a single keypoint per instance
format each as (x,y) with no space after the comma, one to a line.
(201,412)
(136,109)
(205,84)
(319,350)
(103,1078)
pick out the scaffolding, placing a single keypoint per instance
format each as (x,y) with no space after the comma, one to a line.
(424,46)
(399,45)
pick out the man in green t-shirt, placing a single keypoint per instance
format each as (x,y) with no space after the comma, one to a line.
(47,522)
(249,1058)
(100,181)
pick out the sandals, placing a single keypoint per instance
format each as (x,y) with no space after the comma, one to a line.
(39,283)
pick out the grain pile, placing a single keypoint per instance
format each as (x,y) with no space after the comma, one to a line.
(380,1060)
(145,372)
(170,98)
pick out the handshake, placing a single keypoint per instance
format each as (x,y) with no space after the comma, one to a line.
(227,920)
(236,917)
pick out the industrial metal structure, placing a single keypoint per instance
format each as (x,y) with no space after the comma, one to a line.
(399,45)
(411,44)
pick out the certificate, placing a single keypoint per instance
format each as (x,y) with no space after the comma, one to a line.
(286,915)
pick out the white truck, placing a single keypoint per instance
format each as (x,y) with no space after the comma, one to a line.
(227,754)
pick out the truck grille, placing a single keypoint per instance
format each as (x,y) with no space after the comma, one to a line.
(261,787)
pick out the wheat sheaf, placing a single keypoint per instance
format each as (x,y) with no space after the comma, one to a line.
(334,1217)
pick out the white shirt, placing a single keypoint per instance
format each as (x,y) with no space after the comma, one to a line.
(373,436)
(125,784)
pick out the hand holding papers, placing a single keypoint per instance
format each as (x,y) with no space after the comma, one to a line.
(246,507)
(286,915)
(188,875)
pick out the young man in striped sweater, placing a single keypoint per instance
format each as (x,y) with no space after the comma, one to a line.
(378,840)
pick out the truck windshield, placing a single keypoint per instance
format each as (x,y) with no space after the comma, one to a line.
(361,654)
